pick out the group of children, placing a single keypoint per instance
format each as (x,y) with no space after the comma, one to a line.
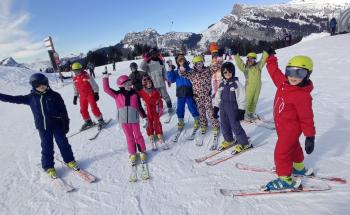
(293,113)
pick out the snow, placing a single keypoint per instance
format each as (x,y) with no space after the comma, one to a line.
(338,2)
(178,185)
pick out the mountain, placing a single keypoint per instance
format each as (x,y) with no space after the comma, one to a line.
(11,62)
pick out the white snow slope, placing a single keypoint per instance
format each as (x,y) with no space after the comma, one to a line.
(178,185)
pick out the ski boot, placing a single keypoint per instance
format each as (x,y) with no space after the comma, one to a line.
(133,174)
(153,142)
(224,145)
(215,132)
(163,145)
(100,123)
(196,124)
(300,170)
(143,157)
(88,124)
(240,148)
(203,129)
(180,125)
(73,165)
(282,183)
(52,173)
(132,159)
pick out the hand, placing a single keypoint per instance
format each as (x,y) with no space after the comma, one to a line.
(144,123)
(240,114)
(169,83)
(270,51)
(96,96)
(75,100)
(309,144)
(65,125)
(172,67)
(215,112)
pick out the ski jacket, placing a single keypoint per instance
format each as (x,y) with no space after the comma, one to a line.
(136,79)
(201,81)
(183,85)
(84,85)
(153,101)
(128,103)
(156,70)
(48,108)
(230,95)
(292,104)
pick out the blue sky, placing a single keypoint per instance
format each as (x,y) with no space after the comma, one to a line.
(81,25)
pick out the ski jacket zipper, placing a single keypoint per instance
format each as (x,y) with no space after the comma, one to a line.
(42,111)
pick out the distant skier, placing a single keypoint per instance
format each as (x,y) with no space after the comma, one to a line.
(153,65)
(128,111)
(287,39)
(113,66)
(51,120)
(230,100)
(154,106)
(91,68)
(86,89)
(136,76)
(333,26)
(184,91)
(293,116)
(252,73)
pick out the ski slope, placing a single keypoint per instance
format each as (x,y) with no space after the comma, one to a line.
(178,185)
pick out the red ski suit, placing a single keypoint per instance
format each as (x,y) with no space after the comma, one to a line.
(86,87)
(154,105)
(293,115)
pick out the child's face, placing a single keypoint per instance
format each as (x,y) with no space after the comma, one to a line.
(149,84)
(250,61)
(41,88)
(227,74)
(128,85)
(294,80)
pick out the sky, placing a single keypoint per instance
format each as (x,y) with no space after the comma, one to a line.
(79,26)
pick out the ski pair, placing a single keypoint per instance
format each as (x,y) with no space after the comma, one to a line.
(144,172)
(309,174)
(163,145)
(104,125)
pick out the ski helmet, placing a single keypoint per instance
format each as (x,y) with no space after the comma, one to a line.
(197,59)
(133,65)
(122,80)
(76,66)
(229,67)
(301,61)
(38,79)
(252,55)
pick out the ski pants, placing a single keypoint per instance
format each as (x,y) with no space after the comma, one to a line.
(165,95)
(252,97)
(205,106)
(229,124)
(154,127)
(47,147)
(85,101)
(191,105)
(287,151)
(134,137)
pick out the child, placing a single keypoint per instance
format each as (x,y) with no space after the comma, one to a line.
(252,74)
(136,77)
(184,92)
(86,88)
(129,108)
(230,100)
(293,115)
(154,105)
(51,120)
(215,67)
(201,81)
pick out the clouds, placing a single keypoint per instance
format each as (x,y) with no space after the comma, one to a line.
(15,40)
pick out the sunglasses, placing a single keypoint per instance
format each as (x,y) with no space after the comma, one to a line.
(226,72)
(127,84)
(296,72)
(251,59)
(146,79)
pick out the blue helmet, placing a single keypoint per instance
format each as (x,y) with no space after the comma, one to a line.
(38,79)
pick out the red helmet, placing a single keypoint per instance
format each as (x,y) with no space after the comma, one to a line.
(122,79)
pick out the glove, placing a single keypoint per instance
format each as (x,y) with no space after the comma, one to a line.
(270,51)
(172,67)
(144,122)
(96,97)
(234,51)
(65,125)
(75,100)
(169,83)
(215,113)
(309,144)
(240,115)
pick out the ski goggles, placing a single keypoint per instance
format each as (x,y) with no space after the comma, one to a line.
(127,84)
(144,79)
(296,72)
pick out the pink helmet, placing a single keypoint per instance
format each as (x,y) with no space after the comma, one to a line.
(122,79)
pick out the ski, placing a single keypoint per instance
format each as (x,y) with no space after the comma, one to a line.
(154,145)
(214,143)
(62,185)
(177,135)
(192,136)
(227,157)
(242,166)
(78,132)
(168,117)
(210,155)
(133,174)
(200,140)
(144,171)
(259,192)
(100,129)
(82,174)
(260,123)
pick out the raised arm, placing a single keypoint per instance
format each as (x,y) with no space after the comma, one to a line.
(239,62)
(275,73)
(106,86)
(263,60)
(15,99)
